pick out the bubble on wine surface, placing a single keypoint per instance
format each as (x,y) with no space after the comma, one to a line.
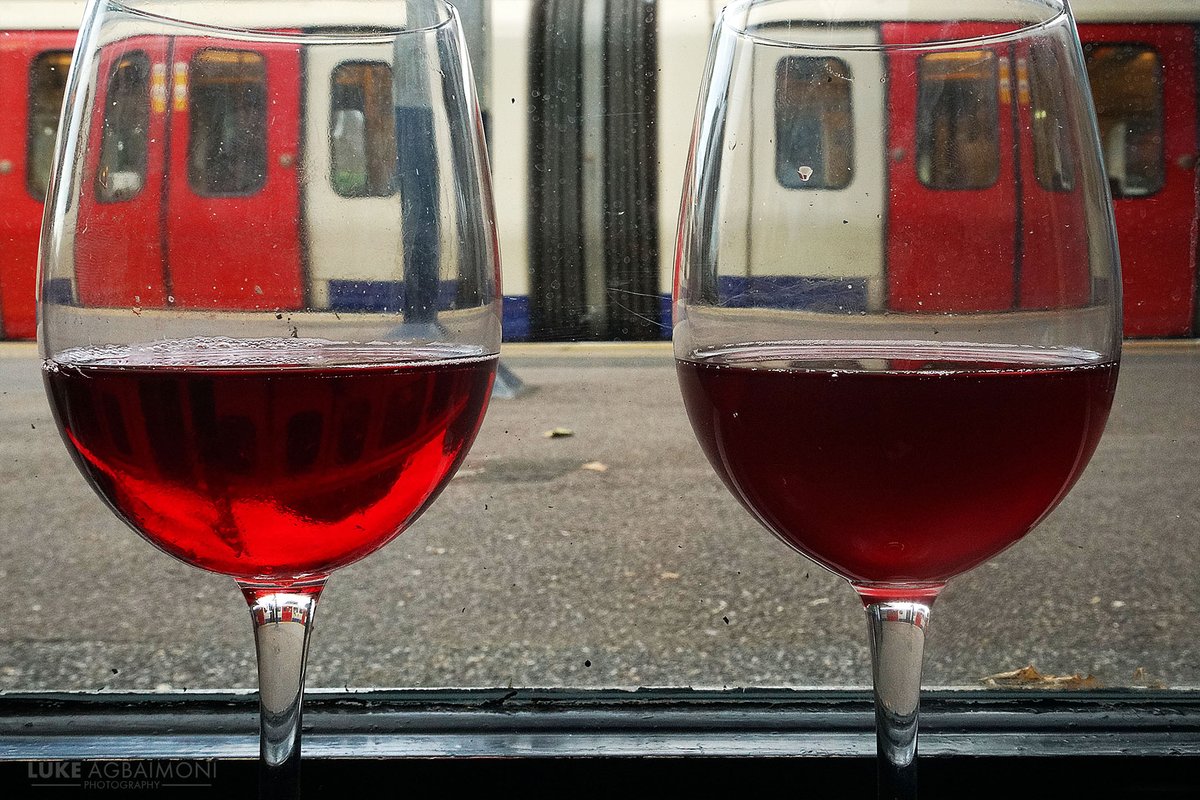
(219,352)
(864,355)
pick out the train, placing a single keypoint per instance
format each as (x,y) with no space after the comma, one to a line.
(588,108)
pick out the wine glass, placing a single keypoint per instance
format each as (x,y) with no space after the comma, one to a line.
(896,303)
(270,303)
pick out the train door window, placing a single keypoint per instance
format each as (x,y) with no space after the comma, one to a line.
(122,170)
(1127,87)
(1053,166)
(814,134)
(362,123)
(227,144)
(47,82)
(958,111)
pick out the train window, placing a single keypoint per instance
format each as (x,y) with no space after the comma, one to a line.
(1127,87)
(227,146)
(1053,167)
(47,81)
(814,134)
(122,170)
(958,111)
(362,121)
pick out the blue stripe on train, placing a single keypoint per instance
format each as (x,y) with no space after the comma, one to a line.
(795,292)
(388,296)
(516,318)
(59,292)
(764,291)
(381,295)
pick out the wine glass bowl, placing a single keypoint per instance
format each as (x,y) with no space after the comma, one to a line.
(897,318)
(270,302)
(896,478)
(271,460)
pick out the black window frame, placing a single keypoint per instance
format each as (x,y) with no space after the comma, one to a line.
(1112,743)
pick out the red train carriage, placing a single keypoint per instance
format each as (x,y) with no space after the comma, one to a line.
(588,171)
(1144,84)
(34,57)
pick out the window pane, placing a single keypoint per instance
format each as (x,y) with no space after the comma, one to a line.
(363,126)
(1053,166)
(227,148)
(47,81)
(1127,88)
(122,171)
(614,556)
(958,143)
(814,142)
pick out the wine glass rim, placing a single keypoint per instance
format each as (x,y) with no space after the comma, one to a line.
(360,34)
(1058,11)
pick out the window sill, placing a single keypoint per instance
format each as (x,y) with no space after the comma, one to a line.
(1135,742)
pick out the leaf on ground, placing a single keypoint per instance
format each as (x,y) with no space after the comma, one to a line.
(1142,678)
(1028,677)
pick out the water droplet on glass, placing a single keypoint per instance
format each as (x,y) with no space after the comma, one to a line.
(805,173)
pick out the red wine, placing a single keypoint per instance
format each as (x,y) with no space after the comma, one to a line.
(273,459)
(897,465)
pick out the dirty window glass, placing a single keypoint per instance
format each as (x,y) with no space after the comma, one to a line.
(586,541)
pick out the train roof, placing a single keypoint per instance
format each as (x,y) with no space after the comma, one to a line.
(41,15)
(878,10)
(66,14)
(1141,11)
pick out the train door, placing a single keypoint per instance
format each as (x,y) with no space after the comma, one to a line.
(351,105)
(1144,86)
(232,192)
(33,72)
(191,159)
(948,169)
(817,148)
(1053,263)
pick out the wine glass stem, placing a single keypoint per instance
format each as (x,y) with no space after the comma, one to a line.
(282,624)
(897,647)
